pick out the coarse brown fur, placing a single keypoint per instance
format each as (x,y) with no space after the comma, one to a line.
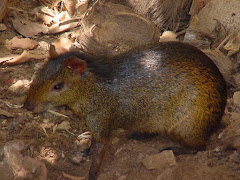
(171,88)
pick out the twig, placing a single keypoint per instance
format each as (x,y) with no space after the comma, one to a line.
(225,40)
(57,113)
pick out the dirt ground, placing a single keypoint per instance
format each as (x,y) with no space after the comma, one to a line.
(124,158)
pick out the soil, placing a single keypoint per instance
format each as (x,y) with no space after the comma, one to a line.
(123,160)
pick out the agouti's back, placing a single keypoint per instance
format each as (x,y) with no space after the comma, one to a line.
(172,88)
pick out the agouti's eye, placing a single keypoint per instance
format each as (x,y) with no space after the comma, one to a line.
(58,86)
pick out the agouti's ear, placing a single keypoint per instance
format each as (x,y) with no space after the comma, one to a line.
(75,64)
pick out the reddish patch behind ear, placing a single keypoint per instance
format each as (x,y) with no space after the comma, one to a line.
(75,64)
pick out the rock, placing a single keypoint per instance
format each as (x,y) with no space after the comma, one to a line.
(23,43)
(160,161)
(19,86)
(236,98)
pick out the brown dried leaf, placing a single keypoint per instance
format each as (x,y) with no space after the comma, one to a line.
(28,28)
(70,6)
(23,43)
(24,57)
(233,45)
(60,46)
(62,27)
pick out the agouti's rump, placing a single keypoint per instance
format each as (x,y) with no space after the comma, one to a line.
(172,88)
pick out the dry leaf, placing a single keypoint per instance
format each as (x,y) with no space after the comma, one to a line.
(28,28)
(23,43)
(233,45)
(24,57)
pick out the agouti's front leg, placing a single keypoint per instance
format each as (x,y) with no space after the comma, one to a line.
(99,149)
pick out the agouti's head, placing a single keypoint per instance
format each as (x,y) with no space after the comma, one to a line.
(55,83)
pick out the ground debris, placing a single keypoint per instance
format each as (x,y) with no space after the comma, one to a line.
(161,161)
(22,166)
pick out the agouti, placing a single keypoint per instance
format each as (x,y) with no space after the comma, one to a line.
(171,88)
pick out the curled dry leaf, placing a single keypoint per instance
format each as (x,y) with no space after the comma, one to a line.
(60,46)
(62,27)
(61,21)
(70,6)
(74,8)
(60,17)
(233,45)
(24,57)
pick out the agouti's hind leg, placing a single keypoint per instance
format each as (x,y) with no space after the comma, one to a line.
(99,150)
